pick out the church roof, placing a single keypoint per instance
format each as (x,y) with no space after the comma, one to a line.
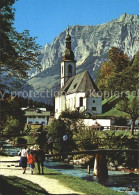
(81,82)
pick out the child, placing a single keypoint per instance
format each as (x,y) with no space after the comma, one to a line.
(31,161)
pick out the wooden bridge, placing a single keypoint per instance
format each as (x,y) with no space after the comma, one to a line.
(92,152)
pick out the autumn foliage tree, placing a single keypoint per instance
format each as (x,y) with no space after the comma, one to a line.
(120,74)
(116,63)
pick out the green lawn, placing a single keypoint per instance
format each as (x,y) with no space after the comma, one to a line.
(15,186)
(109,108)
(114,113)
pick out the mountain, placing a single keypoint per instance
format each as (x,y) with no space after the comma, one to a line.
(90,45)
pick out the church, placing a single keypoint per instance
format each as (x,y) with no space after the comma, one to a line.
(78,91)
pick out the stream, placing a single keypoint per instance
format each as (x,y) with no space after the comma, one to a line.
(117,180)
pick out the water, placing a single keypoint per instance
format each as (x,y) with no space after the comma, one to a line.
(117,180)
(11,151)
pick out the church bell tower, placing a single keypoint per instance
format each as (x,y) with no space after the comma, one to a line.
(68,64)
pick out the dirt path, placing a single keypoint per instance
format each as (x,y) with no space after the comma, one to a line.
(52,186)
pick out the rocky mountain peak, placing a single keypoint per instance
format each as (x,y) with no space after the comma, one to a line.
(90,45)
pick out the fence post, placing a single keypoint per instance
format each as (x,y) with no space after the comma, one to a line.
(88,169)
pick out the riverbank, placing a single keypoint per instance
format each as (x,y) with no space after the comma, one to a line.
(54,182)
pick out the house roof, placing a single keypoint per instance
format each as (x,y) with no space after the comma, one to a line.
(36,112)
(33,113)
(32,109)
(81,82)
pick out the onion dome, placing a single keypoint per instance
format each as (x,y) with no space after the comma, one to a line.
(68,53)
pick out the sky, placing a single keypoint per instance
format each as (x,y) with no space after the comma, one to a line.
(46,19)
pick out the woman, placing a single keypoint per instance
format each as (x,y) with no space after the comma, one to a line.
(23,159)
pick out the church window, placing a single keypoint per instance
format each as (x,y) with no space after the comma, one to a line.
(81,101)
(75,85)
(74,102)
(69,70)
(93,108)
(94,101)
(62,70)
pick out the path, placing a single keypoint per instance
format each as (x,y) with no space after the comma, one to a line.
(52,186)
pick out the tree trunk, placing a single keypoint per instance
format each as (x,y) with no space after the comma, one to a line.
(132,126)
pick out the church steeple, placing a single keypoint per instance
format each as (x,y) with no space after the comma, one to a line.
(68,53)
(68,64)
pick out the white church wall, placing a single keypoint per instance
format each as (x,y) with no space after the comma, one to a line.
(78,95)
(63,103)
(94,104)
(57,104)
(60,103)
(71,101)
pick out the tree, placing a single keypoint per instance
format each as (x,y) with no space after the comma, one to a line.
(116,63)
(120,74)
(57,130)
(12,126)
(21,141)
(41,139)
(130,104)
(18,50)
(12,108)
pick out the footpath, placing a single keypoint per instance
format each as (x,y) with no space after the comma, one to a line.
(52,186)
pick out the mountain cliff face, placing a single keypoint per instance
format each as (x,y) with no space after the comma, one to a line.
(90,45)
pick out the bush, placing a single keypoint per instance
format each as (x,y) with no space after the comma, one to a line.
(21,141)
(121,121)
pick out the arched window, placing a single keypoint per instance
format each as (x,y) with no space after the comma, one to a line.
(62,70)
(69,70)
(81,101)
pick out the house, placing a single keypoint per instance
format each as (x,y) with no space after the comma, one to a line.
(78,91)
(36,116)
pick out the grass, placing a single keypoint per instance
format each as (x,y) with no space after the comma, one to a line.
(109,108)
(114,113)
(15,186)
(80,185)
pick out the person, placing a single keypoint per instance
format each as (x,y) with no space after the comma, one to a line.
(50,144)
(31,161)
(23,158)
(40,158)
